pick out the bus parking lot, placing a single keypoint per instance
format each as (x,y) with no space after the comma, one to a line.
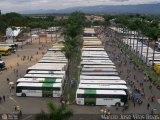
(18,63)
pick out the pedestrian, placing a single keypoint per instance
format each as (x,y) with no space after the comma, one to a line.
(150,86)
(17,71)
(8,80)
(0,99)
(152,98)
(142,84)
(20,113)
(4,98)
(134,103)
(148,105)
(15,108)
(134,77)
(10,89)
(144,78)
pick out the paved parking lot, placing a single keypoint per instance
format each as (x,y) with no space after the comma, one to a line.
(31,105)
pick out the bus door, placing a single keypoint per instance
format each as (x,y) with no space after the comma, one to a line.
(47,90)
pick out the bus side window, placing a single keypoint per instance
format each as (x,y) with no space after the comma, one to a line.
(18,90)
(80,96)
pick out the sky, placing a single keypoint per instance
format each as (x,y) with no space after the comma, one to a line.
(21,5)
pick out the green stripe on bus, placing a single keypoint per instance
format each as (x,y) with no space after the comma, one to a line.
(49,80)
(88,100)
(47,89)
(89,91)
(47,85)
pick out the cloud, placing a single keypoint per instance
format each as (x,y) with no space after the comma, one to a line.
(20,5)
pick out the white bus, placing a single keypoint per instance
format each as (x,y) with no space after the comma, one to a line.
(53,58)
(113,82)
(100,73)
(97,55)
(94,52)
(99,66)
(94,46)
(39,89)
(46,68)
(97,63)
(84,77)
(103,87)
(92,49)
(46,72)
(54,55)
(88,58)
(39,80)
(53,61)
(43,76)
(55,49)
(101,97)
(98,70)
(97,60)
(50,64)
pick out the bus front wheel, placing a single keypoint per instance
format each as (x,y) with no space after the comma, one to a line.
(23,95)
(117,104)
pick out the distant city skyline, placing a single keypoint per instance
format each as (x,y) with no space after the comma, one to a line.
(21,5)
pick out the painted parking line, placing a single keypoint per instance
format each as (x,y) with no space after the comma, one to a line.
(27,118)
(11,98)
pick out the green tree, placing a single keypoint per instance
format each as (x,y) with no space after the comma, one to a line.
(55,113)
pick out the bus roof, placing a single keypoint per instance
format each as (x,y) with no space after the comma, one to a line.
(100,46)
(1,61)
(39,80)
(43,76)
(97,58)
(109,92)
(4,48)
(39,84)
(44,68)
(46,72)
(97,63)
(52,61)
(8,44)
(92,49)
(100,73)
(98,70)
(99,77)
(54,57)
(102,86)
(99,66)
(97,55)
(123,82)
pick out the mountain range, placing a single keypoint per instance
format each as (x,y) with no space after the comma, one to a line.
(101,9)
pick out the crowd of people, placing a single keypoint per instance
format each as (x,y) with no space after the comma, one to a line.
(128,70)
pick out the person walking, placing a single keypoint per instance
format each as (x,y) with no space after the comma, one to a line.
(8,80)
(148,106)
(0,99)
(134,103)
(4,98)
(15,108)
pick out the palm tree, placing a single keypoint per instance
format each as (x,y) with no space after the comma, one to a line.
(142,46)
(138,38)
(147,49)
(55,113)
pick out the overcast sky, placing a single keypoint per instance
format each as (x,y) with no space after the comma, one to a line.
(20,5)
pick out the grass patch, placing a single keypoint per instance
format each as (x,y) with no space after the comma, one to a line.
(75,74)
